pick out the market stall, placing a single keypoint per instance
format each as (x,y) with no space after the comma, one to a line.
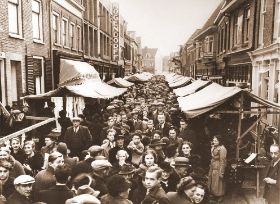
(182,82)
(239,105)
(191,88)
(120,82)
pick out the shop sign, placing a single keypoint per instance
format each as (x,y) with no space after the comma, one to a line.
(115,42)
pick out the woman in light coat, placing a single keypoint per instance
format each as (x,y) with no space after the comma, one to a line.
(216,180)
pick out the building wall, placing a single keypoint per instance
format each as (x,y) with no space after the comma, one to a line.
(15,50)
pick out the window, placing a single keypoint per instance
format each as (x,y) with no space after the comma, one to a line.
(72,36)
(246,28)
(37,20)
(235,29)
(277,21)
(209,44)
(64,31)
(79,36)
(262,18)
(38,67)
(55,27)
(14,17)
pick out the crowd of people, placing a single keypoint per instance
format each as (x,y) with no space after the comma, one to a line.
(139,149)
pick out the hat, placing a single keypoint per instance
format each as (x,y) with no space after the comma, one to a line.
(95,148)
(110,107)
(100,164)
(156,142)
(165,166)
(62,148)
(160,103)
(84,198)
(76,119)
(16,111)
(24,179)
(85,189)
(117,137)
(126,169)
(181,161)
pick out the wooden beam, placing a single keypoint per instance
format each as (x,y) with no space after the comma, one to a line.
(251,127)
(36,118)
(28,129)
(239,125)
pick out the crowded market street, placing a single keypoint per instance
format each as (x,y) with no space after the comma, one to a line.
(116,146)
(139,102)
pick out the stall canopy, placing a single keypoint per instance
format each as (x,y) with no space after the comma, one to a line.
(174,78)
(143,77)
(75,72)
(181,82)
(120,82)
(80,79)
(213,96)
(90,88)
(191,88)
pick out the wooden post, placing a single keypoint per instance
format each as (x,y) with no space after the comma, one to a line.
(239,125)
(257,152)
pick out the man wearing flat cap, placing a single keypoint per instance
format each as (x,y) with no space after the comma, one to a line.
(100,171)
(22,194)
(77,137)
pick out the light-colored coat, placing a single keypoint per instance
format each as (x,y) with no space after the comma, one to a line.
(216,182)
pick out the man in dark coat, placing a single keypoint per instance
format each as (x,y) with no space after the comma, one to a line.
(272,179)
(163,126)
(22,194)
(119,146)
(152,183)
(77,137)
(188,134)
(111,125)
(59,193)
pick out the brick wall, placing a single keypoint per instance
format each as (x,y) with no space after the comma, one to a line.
(268,23)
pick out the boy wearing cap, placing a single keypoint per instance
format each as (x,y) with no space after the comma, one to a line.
(23,186)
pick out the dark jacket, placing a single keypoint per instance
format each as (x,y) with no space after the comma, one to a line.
(17,198)
(107,199)
(159,194)
(36,162)
(272,191)
(57,194)
(8,187)
(175,198)
(44,180)
(80,140)
(82,167)
(164,130)
(19,156)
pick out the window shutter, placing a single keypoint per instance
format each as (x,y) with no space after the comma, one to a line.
(48,75)
(30,81)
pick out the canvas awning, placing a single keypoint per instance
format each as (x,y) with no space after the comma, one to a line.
(138,77)
(206,99)
(75,72)
(120,82)
(90,88)
(174,78)
(215,95)
(180,82)
(191,88)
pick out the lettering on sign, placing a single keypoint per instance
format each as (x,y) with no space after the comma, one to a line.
(115,32)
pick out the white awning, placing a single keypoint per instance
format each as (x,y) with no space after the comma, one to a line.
(191,88)
(120,82)
(180,82)
(206,99)
(90,88)
(75,72)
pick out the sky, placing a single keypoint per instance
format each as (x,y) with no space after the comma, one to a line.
(165,24)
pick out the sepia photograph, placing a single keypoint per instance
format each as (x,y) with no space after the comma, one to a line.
(140,101)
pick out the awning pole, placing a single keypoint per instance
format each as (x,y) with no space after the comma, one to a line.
(239,126)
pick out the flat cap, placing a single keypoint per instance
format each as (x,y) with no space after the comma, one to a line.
(181,161)
(110,107)
(100,164)
(76,119)
(95,148)
(24,179)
